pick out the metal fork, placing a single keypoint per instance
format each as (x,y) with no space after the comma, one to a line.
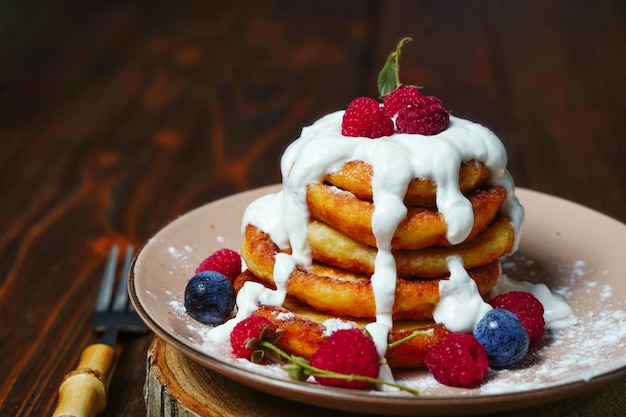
(115,314)
(83,392)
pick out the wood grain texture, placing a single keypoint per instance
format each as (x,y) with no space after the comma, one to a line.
(116,117)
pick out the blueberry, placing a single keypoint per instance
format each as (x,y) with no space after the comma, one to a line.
(503,336)
(209,297)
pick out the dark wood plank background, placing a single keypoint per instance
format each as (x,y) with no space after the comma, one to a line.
(116,117)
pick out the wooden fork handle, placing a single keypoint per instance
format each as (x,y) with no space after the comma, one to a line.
(83,392)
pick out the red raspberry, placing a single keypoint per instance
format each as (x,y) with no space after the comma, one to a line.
(347,351)
(528,310)
(246,332)
(225,261)
(400,98)
(365,117)
(426,116)
(458,361)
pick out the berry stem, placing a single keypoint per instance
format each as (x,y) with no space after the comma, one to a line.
(310,370)
(413,335)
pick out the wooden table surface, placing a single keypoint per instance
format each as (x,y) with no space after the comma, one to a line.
(116,117)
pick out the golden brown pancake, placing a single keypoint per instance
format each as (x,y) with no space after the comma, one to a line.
(342,292)
(356,177)
(332,247)
(420,229)
(304,331)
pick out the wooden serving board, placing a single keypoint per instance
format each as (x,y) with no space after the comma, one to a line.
(176,386)
(179,387)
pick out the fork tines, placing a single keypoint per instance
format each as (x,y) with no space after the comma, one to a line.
(113,311)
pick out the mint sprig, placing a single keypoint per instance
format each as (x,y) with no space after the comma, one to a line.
(389,76)
(300,369)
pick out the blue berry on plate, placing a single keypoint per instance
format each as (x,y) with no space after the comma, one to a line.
(209,297)
(504,338)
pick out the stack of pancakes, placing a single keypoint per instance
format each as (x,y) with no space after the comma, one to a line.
(343,249)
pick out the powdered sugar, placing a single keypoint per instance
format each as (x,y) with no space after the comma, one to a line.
(180,253)
(284,316)
(332,325)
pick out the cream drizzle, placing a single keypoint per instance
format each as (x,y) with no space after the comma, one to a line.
(460,305)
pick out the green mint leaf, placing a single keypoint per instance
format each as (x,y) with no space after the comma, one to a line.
(389,76)
(257,356)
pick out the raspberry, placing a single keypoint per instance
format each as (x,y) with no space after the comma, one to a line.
(400,98)
(246,333)
(347,351)
(225,261)
(528,310)
(504,338)
(426,116)
(366,118)
(458,361)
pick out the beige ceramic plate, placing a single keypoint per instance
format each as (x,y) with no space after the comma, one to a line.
(577,252)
